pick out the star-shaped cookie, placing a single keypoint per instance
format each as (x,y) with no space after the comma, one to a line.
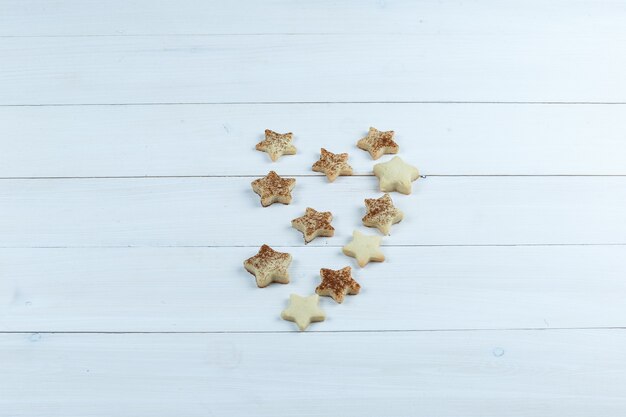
(303,310)
(276,144)
(332,164)
(378,143)
(381,213)
(313,224)
(396,175)
(269,266)
(337,284)
(364,248)
(274,189)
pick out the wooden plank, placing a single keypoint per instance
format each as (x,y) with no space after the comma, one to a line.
(226,212)
(138,17)
(207,289)
(459,139)
(282,68)
(501,374)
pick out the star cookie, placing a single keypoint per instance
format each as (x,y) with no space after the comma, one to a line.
(276,144)
(303,310)
(381,213)
(274,189)
(314,224)
(337,284)
(378,143)
(364,248)
(396,175)
(333,165)
(268,266)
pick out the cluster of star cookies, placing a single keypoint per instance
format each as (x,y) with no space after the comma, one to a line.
(270,266)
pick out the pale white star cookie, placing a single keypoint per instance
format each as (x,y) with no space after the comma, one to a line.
(269,266)
(303,310)
(381,213)
(396,175)
(364,248)
(276,144)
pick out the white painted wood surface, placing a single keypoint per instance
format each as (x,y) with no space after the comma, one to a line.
(224,211)
(318,68)
(206,289)
(214,140)
(145,17)
(502,293)
(492,373)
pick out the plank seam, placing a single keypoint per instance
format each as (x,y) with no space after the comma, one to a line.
(488,245)
(115,177)
(316,331)
(237,103)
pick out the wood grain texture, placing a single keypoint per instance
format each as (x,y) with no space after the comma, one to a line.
(282,68)
(499,374)
(207,289)
(145,17)
(214,140)
(226,212)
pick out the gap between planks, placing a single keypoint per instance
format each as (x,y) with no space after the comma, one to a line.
(242,103)
(493,245)
(521,329)
(132,177)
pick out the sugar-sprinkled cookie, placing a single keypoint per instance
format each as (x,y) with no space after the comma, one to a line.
(337,284)
(313,224)
(332,164)
(396,175)
(364,248)
(269,266)
(378,143)
(303,310)
(274,189)
(276,144)
(381,213)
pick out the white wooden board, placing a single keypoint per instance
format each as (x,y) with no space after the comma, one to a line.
(207,289)
(197,140)
(503,291)
(226,212)
(495,374)
(318,68)
(145,17)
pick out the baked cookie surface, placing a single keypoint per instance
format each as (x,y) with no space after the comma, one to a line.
(381,214)
(337,283)
(333,165)
(274,189)
(378,143)
(276,144)
(313,224)
(396,175)
(269,266)
(364,248)
(303,310)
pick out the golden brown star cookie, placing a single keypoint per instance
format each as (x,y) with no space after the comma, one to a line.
(314,224)
(381,213)
(276,144)
(337,284)
(378,143)
(268,266)
(332,164)
(274,189)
